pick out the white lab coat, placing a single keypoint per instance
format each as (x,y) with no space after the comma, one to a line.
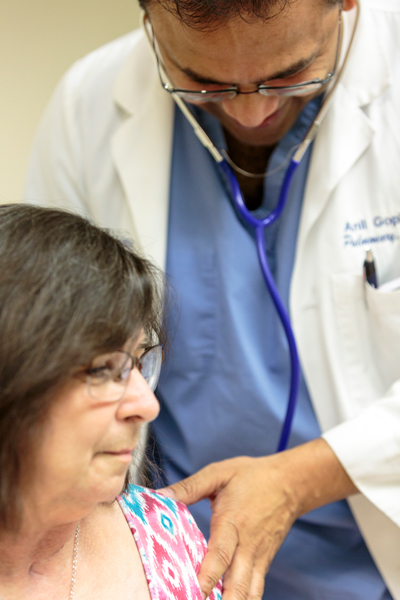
(104,148)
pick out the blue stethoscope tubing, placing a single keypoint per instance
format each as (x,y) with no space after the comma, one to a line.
(260,225)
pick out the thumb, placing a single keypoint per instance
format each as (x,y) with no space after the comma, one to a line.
(203,484)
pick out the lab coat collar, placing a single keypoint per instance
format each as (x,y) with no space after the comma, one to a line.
(141,147)
(347,130)
(137,80)
(367,74)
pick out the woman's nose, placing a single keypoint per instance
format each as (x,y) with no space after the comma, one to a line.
(138,399)
(250,110)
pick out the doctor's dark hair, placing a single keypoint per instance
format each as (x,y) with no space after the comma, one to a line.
(68,292)
(207,15)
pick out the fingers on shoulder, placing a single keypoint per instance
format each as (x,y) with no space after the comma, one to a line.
(204,484)
(219,557)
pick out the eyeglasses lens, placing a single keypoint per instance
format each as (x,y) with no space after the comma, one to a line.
(284,91)
(150,366)
(108,376)
(198,97)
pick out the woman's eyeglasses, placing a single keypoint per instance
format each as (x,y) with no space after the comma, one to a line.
(108,374)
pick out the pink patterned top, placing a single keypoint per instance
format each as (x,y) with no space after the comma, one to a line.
(170,544)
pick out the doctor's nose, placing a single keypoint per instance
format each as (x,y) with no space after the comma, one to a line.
(250,110)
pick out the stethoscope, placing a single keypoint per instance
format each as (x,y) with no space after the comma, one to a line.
(260,225)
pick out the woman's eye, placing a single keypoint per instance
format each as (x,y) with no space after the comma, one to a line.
(110,367)
(123,375)
(100,373)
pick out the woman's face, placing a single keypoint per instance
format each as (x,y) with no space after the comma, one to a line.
(87,447)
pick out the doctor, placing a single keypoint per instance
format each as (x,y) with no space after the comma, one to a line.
(113,145)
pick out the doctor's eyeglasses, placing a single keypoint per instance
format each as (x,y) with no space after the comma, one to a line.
(108,374)
(212,93)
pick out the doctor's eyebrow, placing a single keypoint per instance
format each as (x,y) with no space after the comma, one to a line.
(294,69)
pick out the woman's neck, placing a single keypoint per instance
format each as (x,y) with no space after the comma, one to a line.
(108,561)
(36,557)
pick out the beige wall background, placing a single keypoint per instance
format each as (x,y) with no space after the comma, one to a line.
(38,41)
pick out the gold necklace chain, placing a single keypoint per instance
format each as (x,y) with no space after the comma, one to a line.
(74,563)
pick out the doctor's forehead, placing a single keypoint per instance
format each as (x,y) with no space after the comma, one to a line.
(245,50)
(208,15)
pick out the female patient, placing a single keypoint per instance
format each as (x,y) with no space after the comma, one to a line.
(79,360)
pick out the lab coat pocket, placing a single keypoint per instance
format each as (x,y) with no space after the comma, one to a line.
(369,330)
(384,324)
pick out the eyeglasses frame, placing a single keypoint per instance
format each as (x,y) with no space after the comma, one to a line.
(135,364)
(261,88)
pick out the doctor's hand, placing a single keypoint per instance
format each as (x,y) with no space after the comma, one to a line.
(254,503)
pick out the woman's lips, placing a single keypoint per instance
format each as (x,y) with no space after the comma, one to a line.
(125,454)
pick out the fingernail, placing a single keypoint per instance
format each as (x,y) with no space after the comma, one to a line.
(204,596)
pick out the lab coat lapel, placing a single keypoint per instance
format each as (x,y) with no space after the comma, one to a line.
(346,131)
(141,149)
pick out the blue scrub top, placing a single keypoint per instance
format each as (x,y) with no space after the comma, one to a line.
(224,388)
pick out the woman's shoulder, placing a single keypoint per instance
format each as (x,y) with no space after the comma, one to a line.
(162,516)
(167,535)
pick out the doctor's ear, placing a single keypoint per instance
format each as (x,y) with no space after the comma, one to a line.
(349,4)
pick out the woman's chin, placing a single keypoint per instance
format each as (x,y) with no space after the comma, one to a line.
(116,485)
(108,488)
